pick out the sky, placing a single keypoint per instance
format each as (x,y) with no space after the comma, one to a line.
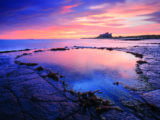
(47,19)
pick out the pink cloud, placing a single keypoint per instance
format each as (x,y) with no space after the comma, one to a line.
(68,8)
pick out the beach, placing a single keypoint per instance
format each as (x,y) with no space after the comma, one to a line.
(32,90)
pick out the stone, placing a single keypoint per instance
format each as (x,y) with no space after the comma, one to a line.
(116,115)
(153,98)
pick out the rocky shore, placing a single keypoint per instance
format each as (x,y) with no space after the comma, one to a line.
(28,91)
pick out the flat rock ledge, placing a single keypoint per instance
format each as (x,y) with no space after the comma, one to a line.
(153,98)
(24,95)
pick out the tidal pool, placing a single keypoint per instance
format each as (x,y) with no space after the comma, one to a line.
(91,69)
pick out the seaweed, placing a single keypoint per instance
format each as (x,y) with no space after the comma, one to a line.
(53,75)
(59,49)
(38,51)
(24,54)
(27,64)
(136,54)
(8,51)
(141,62)
(40,68)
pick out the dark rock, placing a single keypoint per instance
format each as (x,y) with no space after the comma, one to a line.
(84,95)
(103,109)
(8,51)
(117,115)
(53,75)
(136,54)
(40,68)
(62,76)
(71,91)
(27,64)
(59,49)
(106,103)
(24,54)
(91,94)
(102,48)
(110,49)
(25,50)
(153,98)
(116,83)
(18,56)
(138,70)
(141,62)
(13,51)
(38,51)
(81,116)
(64,83)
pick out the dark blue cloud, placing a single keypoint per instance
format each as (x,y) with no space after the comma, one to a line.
(155,17)
(19,14)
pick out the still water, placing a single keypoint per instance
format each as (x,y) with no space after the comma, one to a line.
(91,69)
(48,43)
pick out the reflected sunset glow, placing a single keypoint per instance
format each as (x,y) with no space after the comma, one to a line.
(91,69)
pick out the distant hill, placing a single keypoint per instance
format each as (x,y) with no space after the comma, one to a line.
(105,35)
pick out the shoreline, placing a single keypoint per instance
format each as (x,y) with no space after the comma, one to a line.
(137,51)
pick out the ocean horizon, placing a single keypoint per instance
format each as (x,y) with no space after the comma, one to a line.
(20,44)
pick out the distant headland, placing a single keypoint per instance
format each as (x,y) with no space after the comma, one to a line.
(105,35)
(108,35)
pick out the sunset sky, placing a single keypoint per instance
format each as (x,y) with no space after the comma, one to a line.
(43,19)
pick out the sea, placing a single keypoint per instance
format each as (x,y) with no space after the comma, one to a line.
(20,44)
